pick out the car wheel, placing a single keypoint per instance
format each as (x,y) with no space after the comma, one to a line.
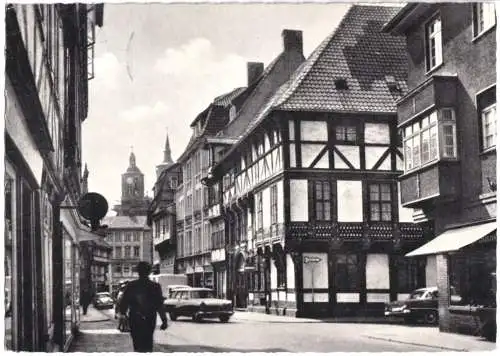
(173,317)
(224,318)
(431,317)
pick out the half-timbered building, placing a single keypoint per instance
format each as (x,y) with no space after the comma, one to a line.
(48,63)
(448,120)
(309,189)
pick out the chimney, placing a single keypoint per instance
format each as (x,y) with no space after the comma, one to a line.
(292,40)
(254,71)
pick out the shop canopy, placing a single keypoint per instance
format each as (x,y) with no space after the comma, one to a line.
(455,239)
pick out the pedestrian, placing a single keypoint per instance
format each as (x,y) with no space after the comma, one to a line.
(86,299)
(143,299)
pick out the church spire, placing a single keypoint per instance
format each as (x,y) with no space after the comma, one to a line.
(132,158)
(167,155)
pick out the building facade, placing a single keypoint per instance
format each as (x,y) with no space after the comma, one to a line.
(197,225)
(309,192)
(95,255)
(48,64)
(448,121)
(161,215)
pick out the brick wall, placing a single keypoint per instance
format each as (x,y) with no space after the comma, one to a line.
(444,294)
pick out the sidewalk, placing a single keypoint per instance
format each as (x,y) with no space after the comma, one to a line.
(429,336)
(99,333)
(403,334)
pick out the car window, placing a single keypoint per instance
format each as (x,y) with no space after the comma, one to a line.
(418,294)
(184,295)
(434,294)
(202,294)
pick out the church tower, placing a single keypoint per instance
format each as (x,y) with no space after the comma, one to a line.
(133,201)
(167,159)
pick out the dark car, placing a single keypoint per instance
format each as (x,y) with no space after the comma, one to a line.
(198,303)
(421,304)
(103,300)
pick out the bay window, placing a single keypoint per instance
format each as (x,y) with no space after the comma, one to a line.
(430,138)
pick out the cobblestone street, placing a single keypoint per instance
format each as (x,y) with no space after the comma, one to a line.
(254,332)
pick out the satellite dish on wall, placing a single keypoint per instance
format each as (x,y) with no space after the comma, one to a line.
(93,207)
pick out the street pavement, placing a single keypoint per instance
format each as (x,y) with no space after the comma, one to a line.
(255,332)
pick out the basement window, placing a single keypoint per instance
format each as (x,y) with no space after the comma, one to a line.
(341,84)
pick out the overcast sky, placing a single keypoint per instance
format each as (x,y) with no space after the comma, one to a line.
(159,65)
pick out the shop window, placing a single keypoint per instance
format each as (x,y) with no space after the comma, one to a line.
(484,17)
(380,202)
(322,200)
(473,278)
(348,273)
(433,44)
(406,270)
(430,138)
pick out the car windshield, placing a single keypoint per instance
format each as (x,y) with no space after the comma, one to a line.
(103,295)
(418,294)
(202,294)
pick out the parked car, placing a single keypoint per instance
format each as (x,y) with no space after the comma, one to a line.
(198,303)
(103,300)
(421,304)
(170,289)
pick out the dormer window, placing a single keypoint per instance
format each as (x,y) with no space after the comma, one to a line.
(430,138)
(341,84)
(232,113)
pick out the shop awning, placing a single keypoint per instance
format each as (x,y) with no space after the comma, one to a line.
(85,234)
(455,239)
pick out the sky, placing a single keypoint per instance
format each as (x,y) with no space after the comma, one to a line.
(158,65)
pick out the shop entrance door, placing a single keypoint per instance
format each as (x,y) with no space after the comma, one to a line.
(241,290)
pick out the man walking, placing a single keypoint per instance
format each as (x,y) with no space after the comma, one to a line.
(143,299)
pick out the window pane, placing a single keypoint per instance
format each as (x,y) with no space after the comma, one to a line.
(340,133)
(319,211)
(386,212)
(416,151)
(449,140)
(319,191)
(386,189)
(409,154)
(327,211)
(374,192)
(425,146)
(433,143)
(374,212)
(326,190)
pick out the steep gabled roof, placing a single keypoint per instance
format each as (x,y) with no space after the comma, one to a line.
(275,74)
(361,54)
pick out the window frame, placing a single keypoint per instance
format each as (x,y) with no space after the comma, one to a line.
(274,204)
(345,134)
(432,121)
(432,36)
(488,109)
(259,226)
(476,32)
(380,202)
(323,201)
